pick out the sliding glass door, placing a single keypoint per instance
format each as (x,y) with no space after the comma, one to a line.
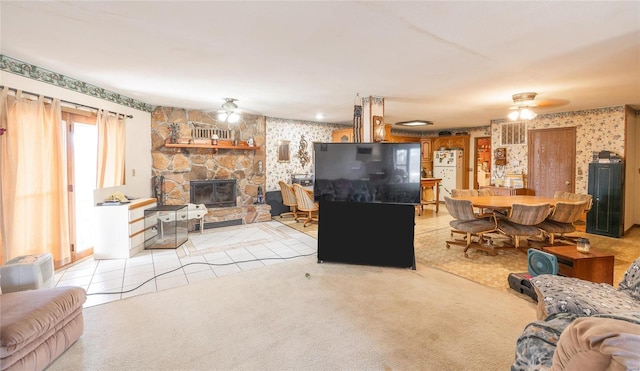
(81,141)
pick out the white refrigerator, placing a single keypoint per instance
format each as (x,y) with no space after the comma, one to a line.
(447,165)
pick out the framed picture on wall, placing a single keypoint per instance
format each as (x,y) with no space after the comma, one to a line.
(283,151)
(378,129)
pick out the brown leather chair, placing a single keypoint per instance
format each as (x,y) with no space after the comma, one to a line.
(288,199)
(306,204)
(468,222)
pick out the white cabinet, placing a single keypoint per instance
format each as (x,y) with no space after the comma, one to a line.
(120,229)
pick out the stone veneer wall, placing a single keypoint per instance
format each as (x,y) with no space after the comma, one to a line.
(181,165)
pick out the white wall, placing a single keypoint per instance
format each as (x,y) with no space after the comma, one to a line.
(138,136)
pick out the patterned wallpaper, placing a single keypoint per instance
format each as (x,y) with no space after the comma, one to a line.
(292,130)
(596,130)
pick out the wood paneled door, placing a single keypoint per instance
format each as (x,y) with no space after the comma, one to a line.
(552,160)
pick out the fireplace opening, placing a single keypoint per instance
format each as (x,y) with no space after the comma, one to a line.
(213,193)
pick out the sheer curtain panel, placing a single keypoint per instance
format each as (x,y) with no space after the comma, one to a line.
(111,150)
(34,213)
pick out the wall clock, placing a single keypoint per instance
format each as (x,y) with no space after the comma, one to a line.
(500,155)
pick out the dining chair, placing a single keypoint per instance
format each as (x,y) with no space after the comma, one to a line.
(306,204)
(570,196)
(465,220)
(457,192)
(561,219)
(522,221)
(288,199)
(486,192)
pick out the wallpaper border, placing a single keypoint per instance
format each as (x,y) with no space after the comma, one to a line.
(40,74)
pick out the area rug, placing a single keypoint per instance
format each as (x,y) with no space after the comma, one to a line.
(432,230)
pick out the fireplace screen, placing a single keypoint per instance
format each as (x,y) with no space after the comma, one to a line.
(213,193)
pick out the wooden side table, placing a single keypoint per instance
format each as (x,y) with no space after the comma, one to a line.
(595,266)
(430,183)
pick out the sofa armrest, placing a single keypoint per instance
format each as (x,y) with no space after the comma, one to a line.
(599,343)
(557,294)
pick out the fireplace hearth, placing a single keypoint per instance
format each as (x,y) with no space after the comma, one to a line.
(213,192)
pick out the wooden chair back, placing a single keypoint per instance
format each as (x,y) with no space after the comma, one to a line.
(305,201)
(288,196)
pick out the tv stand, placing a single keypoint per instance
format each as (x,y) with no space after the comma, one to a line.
(380,234)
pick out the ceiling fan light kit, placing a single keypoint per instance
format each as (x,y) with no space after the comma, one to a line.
(522,109)
(227,112)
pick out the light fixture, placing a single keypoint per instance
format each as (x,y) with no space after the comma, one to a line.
(522,109)
(227,112)
(414,123)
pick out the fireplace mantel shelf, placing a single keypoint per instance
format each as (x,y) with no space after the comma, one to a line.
(222,144)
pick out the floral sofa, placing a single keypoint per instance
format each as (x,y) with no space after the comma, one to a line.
(583,325)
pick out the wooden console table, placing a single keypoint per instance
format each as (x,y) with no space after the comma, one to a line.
(595,266)
(430,183)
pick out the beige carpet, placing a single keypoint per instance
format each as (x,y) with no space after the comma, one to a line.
(302,315)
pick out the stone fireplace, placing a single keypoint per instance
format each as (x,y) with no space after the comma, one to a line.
(184,167)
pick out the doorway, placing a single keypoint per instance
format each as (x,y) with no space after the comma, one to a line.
(81,138)
(552,160)
(482,161)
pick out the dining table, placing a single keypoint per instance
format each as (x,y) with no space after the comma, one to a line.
(505,202)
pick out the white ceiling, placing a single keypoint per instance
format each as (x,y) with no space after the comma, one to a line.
(454,63)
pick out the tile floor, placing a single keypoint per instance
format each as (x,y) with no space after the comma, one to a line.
(222,251)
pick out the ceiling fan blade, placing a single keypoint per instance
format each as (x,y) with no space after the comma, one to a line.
(548,103)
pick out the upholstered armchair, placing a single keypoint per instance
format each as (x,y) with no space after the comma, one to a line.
(567,341)
(583,325)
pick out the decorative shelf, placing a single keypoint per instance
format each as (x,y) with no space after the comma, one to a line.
(222,144)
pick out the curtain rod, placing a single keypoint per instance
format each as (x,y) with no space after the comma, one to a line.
(66,101)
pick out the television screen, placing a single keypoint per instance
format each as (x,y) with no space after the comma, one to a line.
(367,172)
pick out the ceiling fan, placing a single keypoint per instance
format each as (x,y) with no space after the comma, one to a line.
(523,102)
(228,111)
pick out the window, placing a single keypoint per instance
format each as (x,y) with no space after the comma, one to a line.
(513,133)
(406,160)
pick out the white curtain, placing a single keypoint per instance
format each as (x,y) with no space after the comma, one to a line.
(111,150)
(34,213)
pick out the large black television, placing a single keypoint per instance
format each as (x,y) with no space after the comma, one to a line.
(367,172)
